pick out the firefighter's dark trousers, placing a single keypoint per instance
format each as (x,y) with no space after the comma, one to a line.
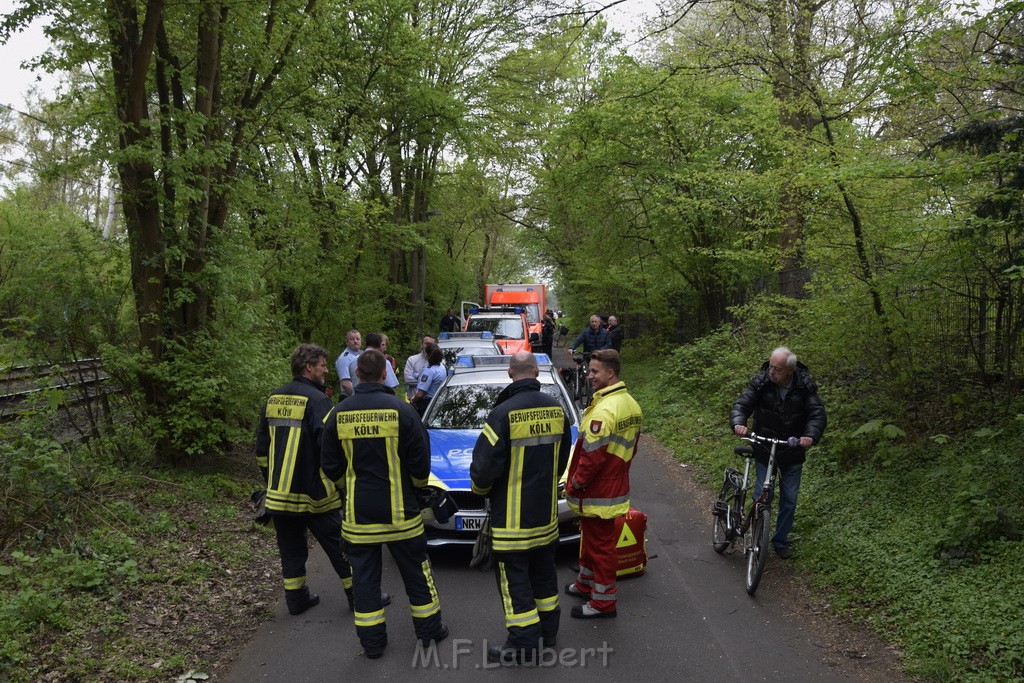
(410,557)
(291,541)
(528,585)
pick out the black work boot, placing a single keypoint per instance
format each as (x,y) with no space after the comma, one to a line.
(300,600)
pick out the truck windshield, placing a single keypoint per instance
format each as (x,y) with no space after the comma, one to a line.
(502,328)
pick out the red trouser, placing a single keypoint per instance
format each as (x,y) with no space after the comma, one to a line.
(599,562)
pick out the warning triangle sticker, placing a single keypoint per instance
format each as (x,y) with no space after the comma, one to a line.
(626,537)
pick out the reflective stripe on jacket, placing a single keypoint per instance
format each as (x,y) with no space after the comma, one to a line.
(288,450)
(376,450)
(598,481)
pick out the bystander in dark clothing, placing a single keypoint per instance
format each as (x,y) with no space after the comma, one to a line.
(547,332)
(615,333)
(450,323)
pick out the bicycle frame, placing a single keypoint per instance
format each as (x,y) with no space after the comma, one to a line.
(753,526)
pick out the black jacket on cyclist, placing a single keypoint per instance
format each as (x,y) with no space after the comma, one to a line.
(796,411)
(591,340)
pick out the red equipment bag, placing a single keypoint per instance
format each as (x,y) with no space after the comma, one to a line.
(631,529)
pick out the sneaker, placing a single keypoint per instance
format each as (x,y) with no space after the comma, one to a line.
(784,552)
(585,611)
(441,635)
(574,590)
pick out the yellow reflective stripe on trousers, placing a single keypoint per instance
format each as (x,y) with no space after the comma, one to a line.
(294,583)
(547,604)
(369,618)
(513,619)
(432,607)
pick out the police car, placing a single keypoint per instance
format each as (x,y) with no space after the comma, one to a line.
(508,325)
(454,419)
(455,344)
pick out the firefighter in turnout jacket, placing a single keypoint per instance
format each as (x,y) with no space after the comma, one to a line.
(298,496)
(518,460)
(377,451)
(598,484)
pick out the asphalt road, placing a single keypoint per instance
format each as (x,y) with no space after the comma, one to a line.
(689,618)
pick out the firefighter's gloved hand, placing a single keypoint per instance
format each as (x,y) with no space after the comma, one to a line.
(259,500)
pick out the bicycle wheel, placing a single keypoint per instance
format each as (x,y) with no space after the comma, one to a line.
(760,543)
(586,391)
(560,340)
(721,536)
(574,385)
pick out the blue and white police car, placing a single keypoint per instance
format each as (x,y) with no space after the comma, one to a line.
(454,419)
(455,344)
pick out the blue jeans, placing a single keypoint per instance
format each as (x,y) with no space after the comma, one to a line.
(788,487)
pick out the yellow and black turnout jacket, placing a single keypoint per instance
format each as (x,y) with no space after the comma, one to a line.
(376,449)
(288,450)
(518,460)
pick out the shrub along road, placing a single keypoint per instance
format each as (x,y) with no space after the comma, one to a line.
(688,618)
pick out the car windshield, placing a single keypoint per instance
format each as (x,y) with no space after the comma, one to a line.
(502,328)
(466,406)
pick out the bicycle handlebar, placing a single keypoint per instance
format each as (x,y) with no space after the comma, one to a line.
(791,441)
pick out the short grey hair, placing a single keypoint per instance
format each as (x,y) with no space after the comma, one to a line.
(790,356)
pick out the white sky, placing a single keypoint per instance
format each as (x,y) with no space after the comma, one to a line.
(21,47)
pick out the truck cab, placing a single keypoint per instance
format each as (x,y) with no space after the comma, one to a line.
(530,297)
(507,324)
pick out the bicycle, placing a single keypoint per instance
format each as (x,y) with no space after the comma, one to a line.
(582,392)
(561,336)
(754,528)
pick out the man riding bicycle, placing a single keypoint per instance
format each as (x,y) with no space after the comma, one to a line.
(592,338)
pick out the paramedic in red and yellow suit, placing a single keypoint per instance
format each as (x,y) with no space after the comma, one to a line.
(597,488)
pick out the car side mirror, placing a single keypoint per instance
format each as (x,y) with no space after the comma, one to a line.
(534,338)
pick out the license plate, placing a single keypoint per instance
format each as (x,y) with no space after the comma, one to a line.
(468,523)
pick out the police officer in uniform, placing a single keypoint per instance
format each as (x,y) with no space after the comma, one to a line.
(597,488)
(518,460)
(298,496)
(376,450)
(431,378)
(345,364)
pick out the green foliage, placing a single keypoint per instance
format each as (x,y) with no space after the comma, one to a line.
(62,286)
(38,480)
(129,547)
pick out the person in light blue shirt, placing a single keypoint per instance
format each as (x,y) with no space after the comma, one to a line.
(374,341)
(431,378)
(345,365)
